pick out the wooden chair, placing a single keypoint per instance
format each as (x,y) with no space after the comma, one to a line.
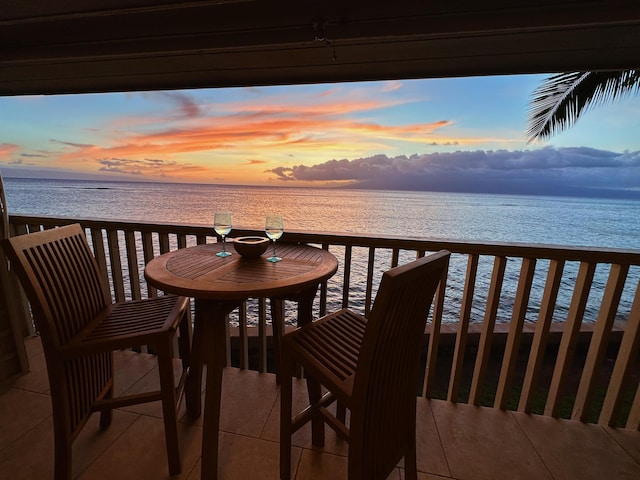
(371,367)
(80,328)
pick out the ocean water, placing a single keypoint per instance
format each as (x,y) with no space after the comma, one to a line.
(453,216)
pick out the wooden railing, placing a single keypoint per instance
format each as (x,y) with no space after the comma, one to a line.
(544,329)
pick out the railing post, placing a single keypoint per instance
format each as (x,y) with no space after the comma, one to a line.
(539,344)
(599,340)
(488,324)
(515,333)
(569,337)
(463,327)
(627,356)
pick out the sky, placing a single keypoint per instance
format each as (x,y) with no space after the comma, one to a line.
(453,134)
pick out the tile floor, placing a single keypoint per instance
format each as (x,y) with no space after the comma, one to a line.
(454,441)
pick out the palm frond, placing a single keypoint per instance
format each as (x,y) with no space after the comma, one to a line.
(560,100)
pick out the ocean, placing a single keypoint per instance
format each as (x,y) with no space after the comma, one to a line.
(571,221)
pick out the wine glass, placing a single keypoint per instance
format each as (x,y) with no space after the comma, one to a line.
(274,229)
(222,226)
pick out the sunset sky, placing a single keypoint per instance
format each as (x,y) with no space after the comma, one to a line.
(419,134)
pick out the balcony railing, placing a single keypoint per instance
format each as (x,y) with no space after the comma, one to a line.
(543,329)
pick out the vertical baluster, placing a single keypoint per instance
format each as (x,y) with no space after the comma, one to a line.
(227,335)
(368,293)
(243,341)
(347,276)
(539,343)
(163,239)
(633,422)
(147,250)
(262,335)
(484,345)
(132,264)
(599,340)
(569,337)
(116,264)
(627,355)
(434,337)
(201,239)
(323,294)
(515,332)
(395,255)
(97,242)
(463,327)
(182,240)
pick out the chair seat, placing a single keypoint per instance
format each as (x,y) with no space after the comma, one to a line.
(129,324)
(330,347)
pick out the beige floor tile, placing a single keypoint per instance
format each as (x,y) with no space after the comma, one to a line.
(483,443)
(578,450)
(430,454)
(475,443)
(248,398)
(140,453)
(315,465)
(628,439)
(130,368)
(427,476)
(149,381)
(243,458)
(36,380)
(302,438)
(20,411)
(32,456)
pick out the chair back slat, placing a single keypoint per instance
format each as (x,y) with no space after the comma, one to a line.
(62,280)
(386,379)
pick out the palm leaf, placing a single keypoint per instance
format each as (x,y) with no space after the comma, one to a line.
(560,100)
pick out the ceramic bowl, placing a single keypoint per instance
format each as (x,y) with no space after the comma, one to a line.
(251,247)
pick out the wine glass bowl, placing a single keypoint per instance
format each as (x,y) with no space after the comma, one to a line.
(274,228)
(222,226)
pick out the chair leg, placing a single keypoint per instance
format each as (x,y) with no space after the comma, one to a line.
(410,463)
(285,418)
(167,386)
(185,341)
(277,323)
(341,412)
(106,414)
(410,456)
(317,423)
(62,455)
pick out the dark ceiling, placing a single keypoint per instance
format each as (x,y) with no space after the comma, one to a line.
(73,46)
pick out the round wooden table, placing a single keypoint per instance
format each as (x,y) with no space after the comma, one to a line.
(219,285)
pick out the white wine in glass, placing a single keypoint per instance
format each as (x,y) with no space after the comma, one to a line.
(274,228)
(222,226)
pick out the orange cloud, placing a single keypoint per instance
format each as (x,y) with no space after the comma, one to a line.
(7,149)
(212,139)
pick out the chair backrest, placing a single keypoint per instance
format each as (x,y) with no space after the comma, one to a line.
(386,379)
(61,278)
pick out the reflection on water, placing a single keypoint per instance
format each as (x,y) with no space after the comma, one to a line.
(452,216)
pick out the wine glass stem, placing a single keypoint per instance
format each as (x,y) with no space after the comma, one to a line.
(223,249)
(274,248)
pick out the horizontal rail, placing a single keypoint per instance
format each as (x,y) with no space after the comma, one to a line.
(547,329)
